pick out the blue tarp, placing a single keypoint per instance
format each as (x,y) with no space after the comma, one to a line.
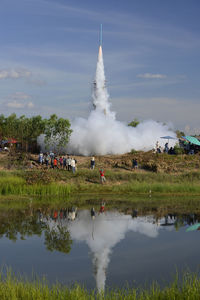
(191,139)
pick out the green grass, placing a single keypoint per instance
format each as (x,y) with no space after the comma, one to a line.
(63,183)
(12,288)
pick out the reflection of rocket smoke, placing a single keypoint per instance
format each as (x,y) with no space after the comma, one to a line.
(100,263)
(109,230)
(103,233)
(102,134)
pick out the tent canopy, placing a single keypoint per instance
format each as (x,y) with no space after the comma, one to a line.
(191,139)
(10,141)
(168,137)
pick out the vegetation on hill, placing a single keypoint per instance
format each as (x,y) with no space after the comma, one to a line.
(21,174)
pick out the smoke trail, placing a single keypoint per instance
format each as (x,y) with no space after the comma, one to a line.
(102,134)
(100,95)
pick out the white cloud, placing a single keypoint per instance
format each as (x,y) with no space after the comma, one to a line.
(17,104)
(14,73)
(14,104)
(152,76)
(18,100)
(19,96)
(163,109)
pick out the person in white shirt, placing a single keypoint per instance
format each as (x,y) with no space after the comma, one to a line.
(73,165)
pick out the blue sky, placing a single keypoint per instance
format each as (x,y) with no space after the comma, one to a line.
(151,54)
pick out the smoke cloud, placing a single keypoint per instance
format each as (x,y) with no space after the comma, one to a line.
(102,134)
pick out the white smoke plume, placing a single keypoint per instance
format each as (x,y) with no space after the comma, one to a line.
(102,134)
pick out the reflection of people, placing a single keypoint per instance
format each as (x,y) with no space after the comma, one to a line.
(72,214)
(102,208)
(92,213)
(134,213)
(102,176)
(55,215)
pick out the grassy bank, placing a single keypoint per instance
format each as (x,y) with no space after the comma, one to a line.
(12,288)
(63,183)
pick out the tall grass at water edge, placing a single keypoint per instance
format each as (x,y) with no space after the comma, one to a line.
(16,184)
(12,288)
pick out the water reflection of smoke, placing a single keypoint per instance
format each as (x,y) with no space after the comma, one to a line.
(108,230)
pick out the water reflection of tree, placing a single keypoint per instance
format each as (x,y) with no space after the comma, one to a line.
(15,224)
(58,239)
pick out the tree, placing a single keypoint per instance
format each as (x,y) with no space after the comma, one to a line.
(179,133)
(30,129)
(10,126)
(58,240)
(57,132)
(2,126)
(134,123)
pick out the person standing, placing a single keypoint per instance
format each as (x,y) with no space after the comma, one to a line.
(134,164)
(102,176)
(68,163)
(92,163)
(47,160)
(64,163)
(41,158)
(73,165)
(166,148)
(61,162)
(55,163)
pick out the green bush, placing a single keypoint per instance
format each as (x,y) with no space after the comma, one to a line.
(178,149)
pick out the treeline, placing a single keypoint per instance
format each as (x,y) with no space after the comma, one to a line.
(26,130)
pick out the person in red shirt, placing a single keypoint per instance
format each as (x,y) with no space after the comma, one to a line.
(102,176)
(55,163)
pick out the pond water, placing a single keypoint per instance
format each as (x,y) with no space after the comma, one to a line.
(101,247)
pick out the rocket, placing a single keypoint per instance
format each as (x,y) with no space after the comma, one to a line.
(100,42)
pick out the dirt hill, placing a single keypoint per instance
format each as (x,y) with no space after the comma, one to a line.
(147,161)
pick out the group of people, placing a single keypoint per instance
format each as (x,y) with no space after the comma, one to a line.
(166,149)
(66,163)
(61,162)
